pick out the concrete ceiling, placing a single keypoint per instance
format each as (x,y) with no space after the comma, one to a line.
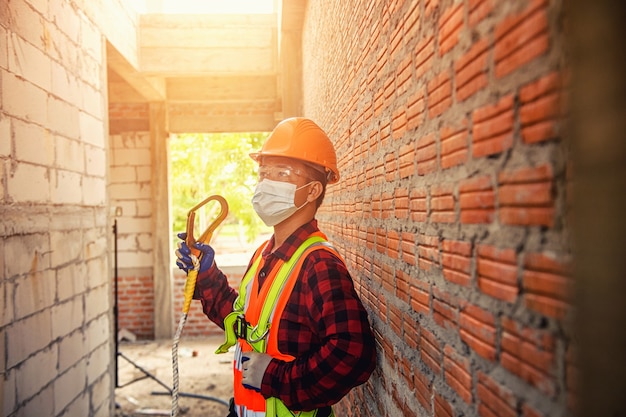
(215,73)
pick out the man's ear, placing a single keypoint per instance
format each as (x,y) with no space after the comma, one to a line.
(315,191)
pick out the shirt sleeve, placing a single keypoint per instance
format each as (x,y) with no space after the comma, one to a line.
(345,356)
(216,296)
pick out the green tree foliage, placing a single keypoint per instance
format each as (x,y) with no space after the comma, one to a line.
(219,163)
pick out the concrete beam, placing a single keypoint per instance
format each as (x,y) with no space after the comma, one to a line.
(152,88)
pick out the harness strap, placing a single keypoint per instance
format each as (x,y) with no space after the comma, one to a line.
(235,324)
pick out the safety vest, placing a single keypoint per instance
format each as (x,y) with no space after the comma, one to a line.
(254,322)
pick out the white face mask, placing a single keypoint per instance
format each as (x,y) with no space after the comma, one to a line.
(274,202)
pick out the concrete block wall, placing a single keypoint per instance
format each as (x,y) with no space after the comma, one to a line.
(130,190)
(55,313)
(452,210)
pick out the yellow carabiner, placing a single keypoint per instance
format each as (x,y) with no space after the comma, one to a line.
(192,275)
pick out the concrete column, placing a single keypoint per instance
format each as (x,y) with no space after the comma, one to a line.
(290,59)
(162,271)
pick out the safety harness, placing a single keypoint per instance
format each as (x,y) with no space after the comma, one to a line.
(253,325)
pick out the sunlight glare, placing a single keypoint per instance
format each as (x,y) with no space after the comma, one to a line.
(217,6)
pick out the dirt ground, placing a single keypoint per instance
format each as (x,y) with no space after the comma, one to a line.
(201,372)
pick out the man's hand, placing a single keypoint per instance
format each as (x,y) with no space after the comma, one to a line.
(183,255)
(254,366)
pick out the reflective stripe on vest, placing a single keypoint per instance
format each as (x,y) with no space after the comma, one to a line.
(262,311)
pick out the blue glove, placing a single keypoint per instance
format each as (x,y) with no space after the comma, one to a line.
(183,255)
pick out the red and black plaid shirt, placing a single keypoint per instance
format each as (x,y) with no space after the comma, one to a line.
(324,326)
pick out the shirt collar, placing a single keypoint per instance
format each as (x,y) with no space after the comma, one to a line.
(293,242)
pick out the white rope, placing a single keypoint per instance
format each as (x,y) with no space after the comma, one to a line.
(179,332)
(175,382)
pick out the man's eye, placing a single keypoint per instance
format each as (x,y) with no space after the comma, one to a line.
(283,173)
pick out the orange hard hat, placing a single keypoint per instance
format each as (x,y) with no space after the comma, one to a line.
(302,139)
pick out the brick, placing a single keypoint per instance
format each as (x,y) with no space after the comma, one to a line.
(71,348)
(405,370)
(526,196)
(442,204)
(430,6)
(411,327)
(493,128)
(34,293)
(471,70)
(386,275)
(33,144)
(92,132)
(530,354)
(521,38)
(25,342)
(95,161)
(408,248)
(393,244)
(478,10)
(528,411)
(428,252)
(28,62)
(6,141)
(497,272)
(547,285)
(457,373)
(412,21)
(477,200)
(454,146)
(401,203)
(406,160)
(418,205)
(4,47)
(450,25)
(424,53)
(416,105)
(426,154)
(540,109)
(420,297)
(69,155)
(395,320)
(95,303)
(386,205)
(25,22)
(23,100)
(370,238)
(93,191)
(445,309)
(477,329)
(64,187)
(37,178)
(495,400)
(67,385)
(423,388)
(439,94)
(456,261)
(442,407)
(403,75)
(36,372)
(430,351)
(395,42)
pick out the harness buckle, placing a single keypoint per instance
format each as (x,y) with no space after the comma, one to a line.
(241,327)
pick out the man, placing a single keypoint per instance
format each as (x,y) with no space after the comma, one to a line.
(302,336)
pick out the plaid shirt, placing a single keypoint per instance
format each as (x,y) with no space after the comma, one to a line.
(324,326)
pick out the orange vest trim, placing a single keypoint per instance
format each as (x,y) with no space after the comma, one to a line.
(263,310)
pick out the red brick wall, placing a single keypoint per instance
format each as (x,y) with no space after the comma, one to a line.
(135,305)
(453,202)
